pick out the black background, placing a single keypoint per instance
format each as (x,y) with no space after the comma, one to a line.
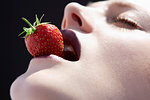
(14,56)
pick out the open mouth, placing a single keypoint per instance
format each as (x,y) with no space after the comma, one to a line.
(72,46)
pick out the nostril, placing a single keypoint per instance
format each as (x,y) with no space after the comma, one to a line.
(77,19)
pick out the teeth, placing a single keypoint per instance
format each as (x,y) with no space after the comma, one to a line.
(69,48)
(69,53)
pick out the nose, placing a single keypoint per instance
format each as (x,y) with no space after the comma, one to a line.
(76,17)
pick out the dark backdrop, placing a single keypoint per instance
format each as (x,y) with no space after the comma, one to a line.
(14,56)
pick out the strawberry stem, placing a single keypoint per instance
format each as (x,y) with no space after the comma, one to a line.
(33,28)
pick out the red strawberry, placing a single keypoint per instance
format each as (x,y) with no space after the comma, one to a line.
(43,39)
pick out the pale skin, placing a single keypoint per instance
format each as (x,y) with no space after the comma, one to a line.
(115,57)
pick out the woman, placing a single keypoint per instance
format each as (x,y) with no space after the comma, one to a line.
(107,56)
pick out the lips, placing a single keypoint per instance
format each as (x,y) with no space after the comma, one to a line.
(72,46)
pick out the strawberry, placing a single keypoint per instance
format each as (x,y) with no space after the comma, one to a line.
(43,39)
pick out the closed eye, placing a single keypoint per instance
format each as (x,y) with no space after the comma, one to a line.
(127,23)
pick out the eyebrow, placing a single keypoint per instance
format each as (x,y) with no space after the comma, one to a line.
(123,4)
(127,4)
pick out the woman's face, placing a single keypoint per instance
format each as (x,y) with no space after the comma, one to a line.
(107,56)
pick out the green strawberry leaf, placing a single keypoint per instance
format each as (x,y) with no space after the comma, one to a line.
(34,24)
(37,20)
(32,27)
(45,23)
(21,33)
(27,30)
(41,18)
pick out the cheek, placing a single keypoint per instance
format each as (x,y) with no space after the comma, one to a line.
(124,49)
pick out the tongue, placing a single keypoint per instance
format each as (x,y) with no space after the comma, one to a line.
(72,45)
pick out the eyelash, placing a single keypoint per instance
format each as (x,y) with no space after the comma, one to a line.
(129,22)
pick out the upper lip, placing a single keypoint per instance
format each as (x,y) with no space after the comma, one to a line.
(72,48)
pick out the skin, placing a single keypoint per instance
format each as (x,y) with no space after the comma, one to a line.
(114,62)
